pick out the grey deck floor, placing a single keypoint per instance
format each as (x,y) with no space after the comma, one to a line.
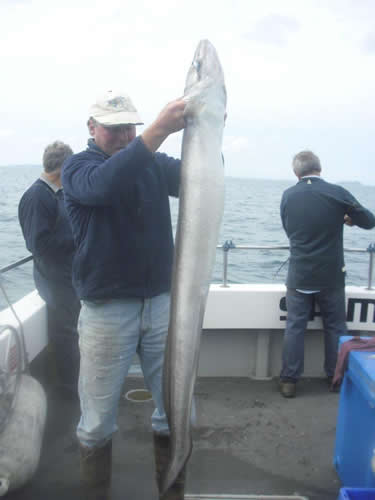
(248,440)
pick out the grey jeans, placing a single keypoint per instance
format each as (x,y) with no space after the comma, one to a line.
(332,307)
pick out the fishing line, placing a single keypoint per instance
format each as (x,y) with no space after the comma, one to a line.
(282,265)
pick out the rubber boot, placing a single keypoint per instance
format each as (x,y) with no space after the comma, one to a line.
(96,468)
(161,449)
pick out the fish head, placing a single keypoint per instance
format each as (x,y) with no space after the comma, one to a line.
(205,75)
(205,65)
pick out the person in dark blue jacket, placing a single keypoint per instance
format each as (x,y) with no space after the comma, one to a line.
(48,236)
(313,214)
(117,197)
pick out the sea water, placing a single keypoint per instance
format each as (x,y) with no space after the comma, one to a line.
(251,217)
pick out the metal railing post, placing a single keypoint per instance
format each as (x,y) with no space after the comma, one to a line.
(226,247)
(371,250)
(225,268)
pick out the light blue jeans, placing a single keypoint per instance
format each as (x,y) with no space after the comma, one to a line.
(110,333)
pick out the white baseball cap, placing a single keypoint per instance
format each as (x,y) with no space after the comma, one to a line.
(115,108)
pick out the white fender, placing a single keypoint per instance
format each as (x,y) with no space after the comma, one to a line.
(21,439)
(4,486)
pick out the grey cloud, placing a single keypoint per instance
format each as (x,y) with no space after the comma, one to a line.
(12,3)
(362,4)
(274,29)
(369,42)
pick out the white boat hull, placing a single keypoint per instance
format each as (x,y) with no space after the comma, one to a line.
(242,330)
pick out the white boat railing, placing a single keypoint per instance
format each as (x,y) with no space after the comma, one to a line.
(229,245)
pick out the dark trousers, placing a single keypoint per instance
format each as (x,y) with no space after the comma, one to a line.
(62,314)
(299,306)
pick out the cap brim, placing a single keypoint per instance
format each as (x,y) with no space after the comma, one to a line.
(119,118)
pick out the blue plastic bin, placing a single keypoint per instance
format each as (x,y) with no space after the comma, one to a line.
(355,431)
(356,494)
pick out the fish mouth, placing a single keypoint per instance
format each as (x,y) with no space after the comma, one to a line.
(205,67)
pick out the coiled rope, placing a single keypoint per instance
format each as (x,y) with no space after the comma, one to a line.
(10,376)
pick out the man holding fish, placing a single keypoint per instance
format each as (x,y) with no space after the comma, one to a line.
(116,194)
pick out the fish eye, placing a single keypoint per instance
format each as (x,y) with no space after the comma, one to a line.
(197,65)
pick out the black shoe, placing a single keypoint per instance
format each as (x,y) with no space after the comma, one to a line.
(95,470)
(287,388)
(332,388)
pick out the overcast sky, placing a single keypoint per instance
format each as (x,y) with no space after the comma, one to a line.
(300,74)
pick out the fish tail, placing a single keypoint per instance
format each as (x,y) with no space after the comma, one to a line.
(175,467)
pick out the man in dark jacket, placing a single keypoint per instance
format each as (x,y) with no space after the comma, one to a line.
(48,236)
(117,196)
(313,213)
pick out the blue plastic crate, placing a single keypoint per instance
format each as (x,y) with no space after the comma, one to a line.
(355,431)
(356,494)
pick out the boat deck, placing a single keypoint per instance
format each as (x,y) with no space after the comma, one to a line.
(249,441)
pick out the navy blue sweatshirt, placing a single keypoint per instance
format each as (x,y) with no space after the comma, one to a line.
(312,214)
(120,216)
(48,236)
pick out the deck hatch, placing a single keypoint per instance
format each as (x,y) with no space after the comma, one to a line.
(138,395)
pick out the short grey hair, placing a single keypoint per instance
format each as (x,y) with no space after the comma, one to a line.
(306,163)
(92,121)
(54,156)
